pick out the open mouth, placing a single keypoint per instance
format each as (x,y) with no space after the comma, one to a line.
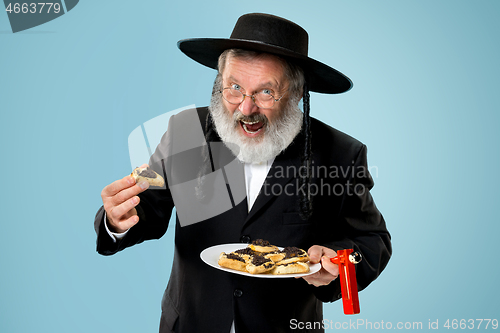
(252,127)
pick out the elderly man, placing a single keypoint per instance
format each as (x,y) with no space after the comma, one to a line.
(304,184)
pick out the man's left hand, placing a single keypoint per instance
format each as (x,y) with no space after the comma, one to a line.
(328,272)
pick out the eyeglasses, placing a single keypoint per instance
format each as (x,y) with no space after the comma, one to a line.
(263,99)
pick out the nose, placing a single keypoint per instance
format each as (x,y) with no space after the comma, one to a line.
(247,107)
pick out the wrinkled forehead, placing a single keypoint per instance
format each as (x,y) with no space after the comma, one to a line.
(264,66)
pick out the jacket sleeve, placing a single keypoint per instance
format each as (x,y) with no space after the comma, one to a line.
(154,209)
(360,226)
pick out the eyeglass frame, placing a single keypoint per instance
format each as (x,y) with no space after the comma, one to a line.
(252,96)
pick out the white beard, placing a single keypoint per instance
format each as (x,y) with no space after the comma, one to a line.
(275,136)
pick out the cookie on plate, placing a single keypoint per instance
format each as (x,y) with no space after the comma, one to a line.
(260,264)
(292,268)
(232,261)
(246,253)
(293,254)
(260,245)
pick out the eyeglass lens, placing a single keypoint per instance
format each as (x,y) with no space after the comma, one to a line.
(235,96)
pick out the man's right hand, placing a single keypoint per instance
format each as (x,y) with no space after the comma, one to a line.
(119,199)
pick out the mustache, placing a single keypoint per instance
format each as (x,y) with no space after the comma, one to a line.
(238,116)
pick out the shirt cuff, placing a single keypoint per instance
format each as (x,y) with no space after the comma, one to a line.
(114,235)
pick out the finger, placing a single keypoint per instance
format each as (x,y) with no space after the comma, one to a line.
(128,193)
(118,186)
(118,213)
(329,252)
(320,278)
(315,253)
(311,278)
(330,267)
(129,223)
(125,224)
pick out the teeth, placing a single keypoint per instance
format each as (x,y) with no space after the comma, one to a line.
(248,131)
(249,122)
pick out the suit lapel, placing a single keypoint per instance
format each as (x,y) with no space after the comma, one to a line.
(233,173)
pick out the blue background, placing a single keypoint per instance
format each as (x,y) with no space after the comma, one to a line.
(425,101)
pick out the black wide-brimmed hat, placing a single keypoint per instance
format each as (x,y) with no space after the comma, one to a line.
(274,35)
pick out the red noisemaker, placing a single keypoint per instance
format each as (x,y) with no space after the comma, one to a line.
(346,259)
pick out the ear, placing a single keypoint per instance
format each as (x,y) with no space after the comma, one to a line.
(302,89)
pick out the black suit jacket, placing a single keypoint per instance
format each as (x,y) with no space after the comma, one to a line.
(200,298)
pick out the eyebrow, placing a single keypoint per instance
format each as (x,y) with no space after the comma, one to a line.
(265,84)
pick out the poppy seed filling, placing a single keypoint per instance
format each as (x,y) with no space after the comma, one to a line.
(292,252)
(234,257)
(260,260)
(148,173)
(261,242)
(246,250)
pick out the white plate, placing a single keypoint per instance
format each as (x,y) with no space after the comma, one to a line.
(211,257)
